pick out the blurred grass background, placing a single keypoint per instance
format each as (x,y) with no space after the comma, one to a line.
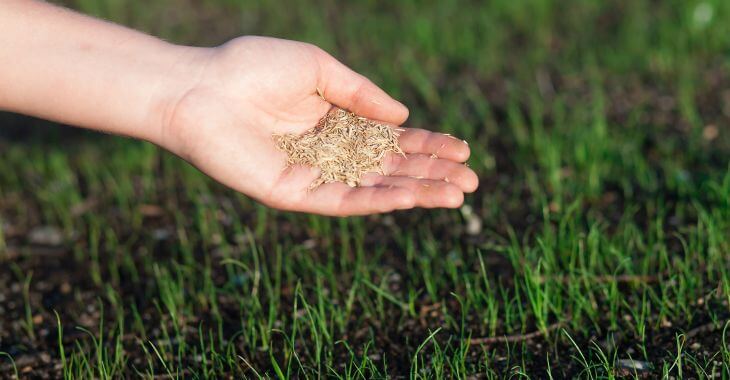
(600,133)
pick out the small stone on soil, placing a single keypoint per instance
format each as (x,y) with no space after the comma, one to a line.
(632,364)
(45,235)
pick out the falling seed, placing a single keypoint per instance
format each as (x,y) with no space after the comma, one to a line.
(710,132)
(473,225)
(342,145)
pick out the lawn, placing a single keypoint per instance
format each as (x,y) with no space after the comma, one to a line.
(597,246)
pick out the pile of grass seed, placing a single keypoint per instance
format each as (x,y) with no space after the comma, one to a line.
(342,145)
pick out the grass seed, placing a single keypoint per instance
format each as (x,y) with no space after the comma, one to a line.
(342,145)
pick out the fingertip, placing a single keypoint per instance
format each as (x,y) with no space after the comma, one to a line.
(374,103)
(457,151)
(453,198)
(400,113)
(464,152)
(471,183)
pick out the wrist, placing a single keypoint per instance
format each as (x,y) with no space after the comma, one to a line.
(179,74)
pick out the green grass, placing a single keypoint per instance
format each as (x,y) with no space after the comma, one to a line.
(605,205)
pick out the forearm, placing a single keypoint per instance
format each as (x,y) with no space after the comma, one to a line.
(62,66)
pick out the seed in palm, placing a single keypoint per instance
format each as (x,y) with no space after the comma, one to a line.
(342,145)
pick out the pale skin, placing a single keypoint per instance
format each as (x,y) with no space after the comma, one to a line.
(218,107)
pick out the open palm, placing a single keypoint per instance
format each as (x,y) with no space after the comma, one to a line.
(253,87)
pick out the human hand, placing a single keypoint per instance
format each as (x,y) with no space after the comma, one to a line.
(241,93)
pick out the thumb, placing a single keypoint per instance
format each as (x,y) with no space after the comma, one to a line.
(344,88)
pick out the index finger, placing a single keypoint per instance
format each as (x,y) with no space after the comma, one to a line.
(415,140)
